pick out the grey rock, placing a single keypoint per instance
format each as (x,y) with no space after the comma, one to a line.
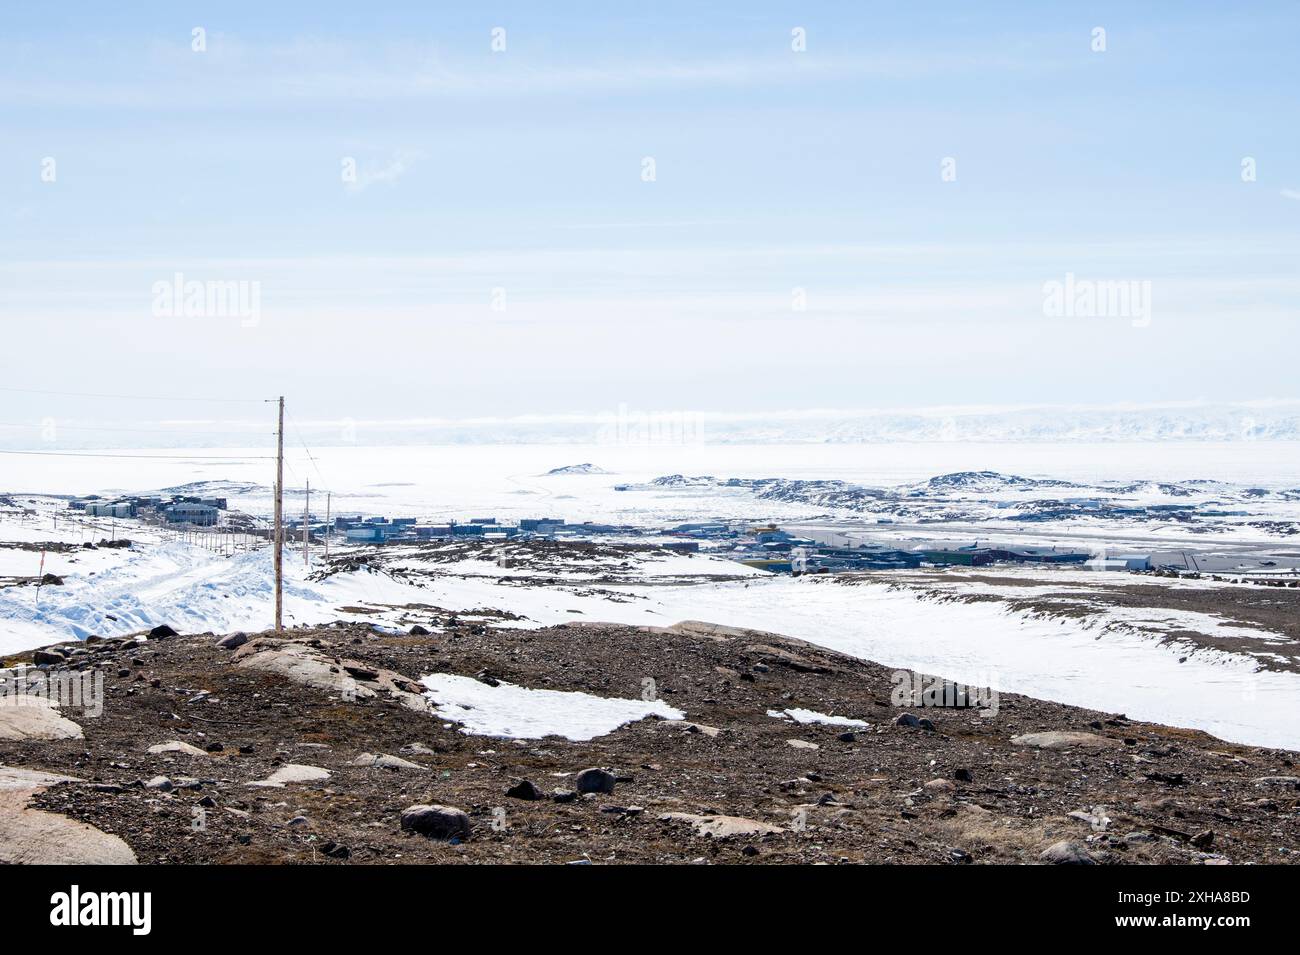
(437,822)
(914,722)
(1067,853)
(232,642)
(525,789)
(1065,740)
(384,761)
(595,781)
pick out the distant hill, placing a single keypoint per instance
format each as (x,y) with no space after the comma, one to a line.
(577,469)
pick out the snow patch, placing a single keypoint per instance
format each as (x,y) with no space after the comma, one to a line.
(812,716)
(517,712)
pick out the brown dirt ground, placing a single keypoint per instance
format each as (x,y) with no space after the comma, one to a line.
(862,800)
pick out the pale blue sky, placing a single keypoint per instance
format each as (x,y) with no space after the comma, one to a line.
(522,171)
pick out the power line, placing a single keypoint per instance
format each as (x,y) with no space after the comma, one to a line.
(310,457)
(172,431)
(84,394)
(145,457)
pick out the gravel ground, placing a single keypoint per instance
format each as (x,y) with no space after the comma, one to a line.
(960,793)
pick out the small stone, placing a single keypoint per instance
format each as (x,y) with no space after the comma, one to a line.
(801,744)
(939,786)
(1203,840)
(384,761)
(915,722)
(336,851)
(963,776)
(158,633)
(177,747)
(437,822)
(595,781)
(232,642)
(292,773)
(419,631)
(1067,853)
(299,821)
(848,737)
(1066,740)
(48,658)
(526,790)
(564,795)
(161,783)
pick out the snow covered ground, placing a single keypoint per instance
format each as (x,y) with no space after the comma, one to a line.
(513,480)
(1112,661)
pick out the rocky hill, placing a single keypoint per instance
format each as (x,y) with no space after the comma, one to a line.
(319,746)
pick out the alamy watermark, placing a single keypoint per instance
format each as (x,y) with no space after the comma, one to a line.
(81,690)
(655,428)
(224,298)
(1089,298)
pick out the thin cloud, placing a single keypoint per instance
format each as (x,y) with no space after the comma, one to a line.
(370,173)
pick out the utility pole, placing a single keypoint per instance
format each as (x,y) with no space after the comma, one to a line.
(329,527)
(306,529)
(277,556)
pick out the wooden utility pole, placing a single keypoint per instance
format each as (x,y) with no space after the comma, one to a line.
(277,556)
(306,529)
(329,527)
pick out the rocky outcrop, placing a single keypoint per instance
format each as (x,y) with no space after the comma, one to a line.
(306,664)
(34,718)
(34,837)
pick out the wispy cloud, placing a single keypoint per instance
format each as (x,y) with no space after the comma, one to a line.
(1291,194)
(369,173)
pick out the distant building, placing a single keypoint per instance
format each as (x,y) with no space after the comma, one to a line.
(1135,561)
(536,523)
(201,515)
(114,509)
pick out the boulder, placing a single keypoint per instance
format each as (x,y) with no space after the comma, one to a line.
(232,642)
(525,789)
(305,664)
(1066,853)
(419,631)
(293,773)
(157,633)
(35,837)
(914,722)
(595,781)
(437,822)
(25,717)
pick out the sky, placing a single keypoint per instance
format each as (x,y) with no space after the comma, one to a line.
(496,211)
